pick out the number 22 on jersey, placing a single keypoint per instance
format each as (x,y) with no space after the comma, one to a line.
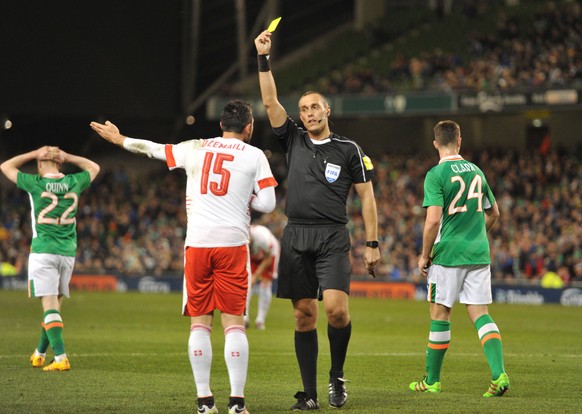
(214,162)
(63,219)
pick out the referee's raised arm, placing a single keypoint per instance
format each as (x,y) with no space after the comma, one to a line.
(275,111)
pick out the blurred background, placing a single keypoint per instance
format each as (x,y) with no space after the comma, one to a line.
(508,71)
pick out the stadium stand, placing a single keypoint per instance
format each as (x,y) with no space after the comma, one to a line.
(134,224)
(487,46)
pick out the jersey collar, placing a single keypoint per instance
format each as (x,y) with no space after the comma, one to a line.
(451,158)
(320,142)
(53,175)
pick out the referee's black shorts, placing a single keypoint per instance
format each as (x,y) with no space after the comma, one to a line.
(313,258)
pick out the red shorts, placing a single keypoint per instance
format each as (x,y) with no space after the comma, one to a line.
(215,278)
(268,272)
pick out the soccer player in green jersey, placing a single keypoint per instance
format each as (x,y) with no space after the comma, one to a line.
(455,258)
(54,199)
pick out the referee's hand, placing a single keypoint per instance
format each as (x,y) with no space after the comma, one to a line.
(371,258)
(263,43)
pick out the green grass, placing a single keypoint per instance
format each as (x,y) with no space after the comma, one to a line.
(128,355)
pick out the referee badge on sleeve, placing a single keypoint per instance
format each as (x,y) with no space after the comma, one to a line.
(368,163)
(332,172)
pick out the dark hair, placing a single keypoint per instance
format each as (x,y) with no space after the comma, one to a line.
(236,115)
(446,132)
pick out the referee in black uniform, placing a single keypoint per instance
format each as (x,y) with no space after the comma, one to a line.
(315,245)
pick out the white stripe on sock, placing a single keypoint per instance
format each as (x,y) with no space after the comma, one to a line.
(443,336)
(488,327)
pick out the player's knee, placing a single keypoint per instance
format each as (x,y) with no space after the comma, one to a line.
(305,320)
(304,324)
(338,318)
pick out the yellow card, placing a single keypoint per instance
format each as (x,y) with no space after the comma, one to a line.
(273,24)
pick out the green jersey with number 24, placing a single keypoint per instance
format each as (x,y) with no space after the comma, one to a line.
(54,203)
(460,188)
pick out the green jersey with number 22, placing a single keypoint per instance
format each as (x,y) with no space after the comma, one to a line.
(460,188)
(54,202)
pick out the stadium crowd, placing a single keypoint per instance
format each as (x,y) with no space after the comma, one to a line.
(546,52)
(134,224)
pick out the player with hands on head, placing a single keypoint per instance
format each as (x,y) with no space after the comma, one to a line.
(54,199)
(224,176)
(315,246)
(455,258)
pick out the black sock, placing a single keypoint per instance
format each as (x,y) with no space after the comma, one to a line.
(339,338)
(306,350)
(236,400)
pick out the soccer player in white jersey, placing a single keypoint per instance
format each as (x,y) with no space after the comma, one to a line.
(455,258)
(226,175)
(54,198)
(265,251)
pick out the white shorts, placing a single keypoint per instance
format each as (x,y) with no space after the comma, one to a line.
(470,285)
(49,274)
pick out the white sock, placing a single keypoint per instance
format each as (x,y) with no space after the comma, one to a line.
(265,296)
(200,353)
(236,355)
(60,358)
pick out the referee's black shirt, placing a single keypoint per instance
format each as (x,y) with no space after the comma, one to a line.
(320,175)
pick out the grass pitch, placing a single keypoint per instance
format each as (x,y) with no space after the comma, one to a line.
(128,354)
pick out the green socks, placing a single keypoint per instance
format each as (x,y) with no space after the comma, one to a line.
(53,326)
(438,343)
(491,340)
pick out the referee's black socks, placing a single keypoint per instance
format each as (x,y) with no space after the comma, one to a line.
(307,350)
(339,338)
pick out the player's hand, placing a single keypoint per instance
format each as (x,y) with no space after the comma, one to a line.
(423,265)
(371,258)
(109,132)
(48,153)
(263,43)
(61,156)
(42,153)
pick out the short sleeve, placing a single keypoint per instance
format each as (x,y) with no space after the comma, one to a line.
(83,179)
(433,191)
(361,166)
(489,198)
(25,181)
(286,132)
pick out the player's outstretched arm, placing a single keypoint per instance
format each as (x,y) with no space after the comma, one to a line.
(10,167)
(109,132)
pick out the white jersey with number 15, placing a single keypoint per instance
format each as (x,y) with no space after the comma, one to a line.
(222,174)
